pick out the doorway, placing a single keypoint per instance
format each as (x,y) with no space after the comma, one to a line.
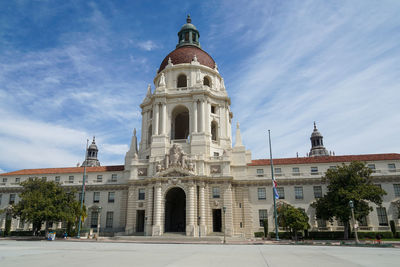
(175,210)
(217,220)
(140,221)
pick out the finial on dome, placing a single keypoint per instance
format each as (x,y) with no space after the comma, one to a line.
(315,126)
(238,142)
(94,139)
(188,19)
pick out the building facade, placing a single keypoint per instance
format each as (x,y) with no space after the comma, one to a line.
(186,176)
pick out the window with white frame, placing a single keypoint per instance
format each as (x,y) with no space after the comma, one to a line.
(298,192)
(57,179)
(296,171)
(371,166)
(260,171)
(262,215)
(281,192)
(142,194)
(396,188)
(392,167)
(215,192)
(93,219)
(317,191)
(12,199)
(113,177)
(17,180)
(99,178)
(109,219)
(314,170)
(96,197)
(277,170)
(4,180)
(71,179)
(262,193)
(382,216)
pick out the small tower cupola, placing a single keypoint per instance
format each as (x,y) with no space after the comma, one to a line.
(188,35)
(317,145)
(91,155)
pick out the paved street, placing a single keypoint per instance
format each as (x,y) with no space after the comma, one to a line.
(59,253)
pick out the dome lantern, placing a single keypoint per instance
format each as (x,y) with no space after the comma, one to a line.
(188,35)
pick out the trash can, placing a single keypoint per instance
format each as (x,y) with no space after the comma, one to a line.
(51,236)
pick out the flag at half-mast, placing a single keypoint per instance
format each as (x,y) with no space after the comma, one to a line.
(274,185)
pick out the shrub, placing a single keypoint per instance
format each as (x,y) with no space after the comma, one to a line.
(259,234)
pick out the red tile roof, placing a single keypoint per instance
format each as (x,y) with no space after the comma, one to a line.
(185,54)
(326,159)
(65,170)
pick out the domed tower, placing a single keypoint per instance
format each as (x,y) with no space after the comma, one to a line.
(317,145)
(91,156)
(189,106)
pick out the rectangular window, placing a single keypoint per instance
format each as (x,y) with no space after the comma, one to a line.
(113,177)
(216,154)
(215,192)
(57,179)
(111,197)
(44,178)
(296,171)
(278,170)
(4,180)
(213,109)
(298,192)
(17,180)
(71,179)
(109,219)
(371,166)
(96,197)
(392,167)
(93,219)
(396,190)
(262,194)
(382,216)
(317,191)
(314,170)
(332,167)
(99,178)
(262,215)
(260,171)
(281,192)
(142,194)
(21,224)
(363,221)
(12,199)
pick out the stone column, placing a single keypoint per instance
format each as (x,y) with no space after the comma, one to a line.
(227,122)
(149,211)
(202,210)
(202,116)
(229,210)
(156,119)
(208,117)
(190,220)
(195,116)
(130,216)
(157,211)
(164,119)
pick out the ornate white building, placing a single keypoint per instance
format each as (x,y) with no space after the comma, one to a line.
(187,177)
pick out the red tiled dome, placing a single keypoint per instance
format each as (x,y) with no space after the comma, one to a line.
(185,54)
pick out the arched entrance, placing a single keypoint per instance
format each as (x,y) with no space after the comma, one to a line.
(180,123)
(175,210)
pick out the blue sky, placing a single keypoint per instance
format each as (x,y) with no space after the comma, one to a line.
(73,69)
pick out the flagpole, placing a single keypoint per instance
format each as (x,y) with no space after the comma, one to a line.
(273,187)
(83,189)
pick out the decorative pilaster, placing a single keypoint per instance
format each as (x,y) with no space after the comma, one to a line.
(190,225)
(208,118)
(156,231)
(195,116)
(130,216)
(164,119)
(202,211)
(156,119)
(229,211)
(202,116)
(149,211)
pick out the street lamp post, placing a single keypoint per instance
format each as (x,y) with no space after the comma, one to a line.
(98,222)
(224,209)
(351,203)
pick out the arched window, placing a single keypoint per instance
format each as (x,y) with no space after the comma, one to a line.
(149,134)
(180,123)
(182,81)
(214,130)
(206,81)
(187,37)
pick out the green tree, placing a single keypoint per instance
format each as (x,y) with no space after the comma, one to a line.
(292,219)
(345,183)
(45,202)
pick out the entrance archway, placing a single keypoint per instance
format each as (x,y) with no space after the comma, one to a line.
(175,210)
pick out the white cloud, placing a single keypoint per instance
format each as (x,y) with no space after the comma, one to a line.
(147,45)
(2,171)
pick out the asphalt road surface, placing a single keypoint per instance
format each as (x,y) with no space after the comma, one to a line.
(60,253)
